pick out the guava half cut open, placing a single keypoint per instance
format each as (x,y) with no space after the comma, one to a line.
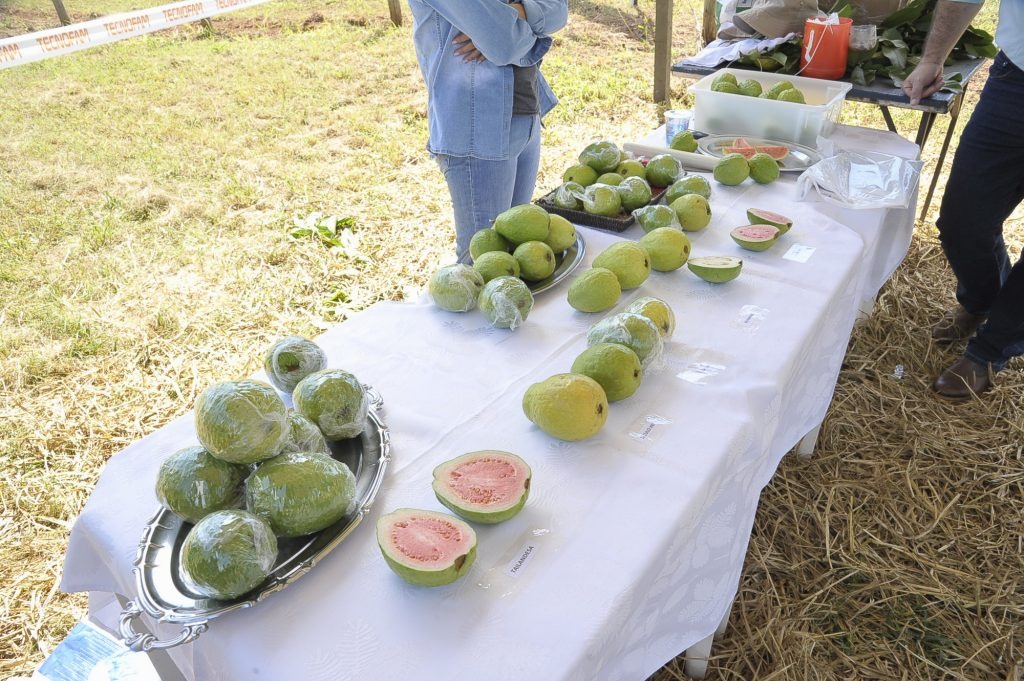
(426,548)
(488,486)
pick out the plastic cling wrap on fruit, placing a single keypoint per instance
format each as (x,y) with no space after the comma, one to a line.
(335,401)
(651,218)
(228,553)
(862,180)
(601,199)
(193,483)
(455,287)
(241,421)
(636,332)
(506,302)
(304,436)
(290,360)
(300,492)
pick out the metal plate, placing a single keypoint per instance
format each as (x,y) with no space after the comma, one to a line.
(800,157)
(567,262)
(163,591)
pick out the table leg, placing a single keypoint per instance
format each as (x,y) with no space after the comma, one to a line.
(805,447)
(724,624)
(696,664)
(889,122)
(954,115)
(927,119)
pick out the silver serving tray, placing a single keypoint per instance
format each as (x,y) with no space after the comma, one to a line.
(570,260)
(164,593)
(800,157)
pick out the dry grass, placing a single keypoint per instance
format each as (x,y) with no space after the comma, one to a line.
(133,274)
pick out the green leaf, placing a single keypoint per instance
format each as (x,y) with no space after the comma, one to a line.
(907,15)
(857,76)
(897,56)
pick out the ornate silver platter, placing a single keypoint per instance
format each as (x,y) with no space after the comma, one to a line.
(165,595)
(567,262)
(800,157)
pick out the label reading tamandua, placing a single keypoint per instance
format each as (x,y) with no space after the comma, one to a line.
(799,253)
(517,565)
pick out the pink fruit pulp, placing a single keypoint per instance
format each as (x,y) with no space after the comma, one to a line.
(429,540)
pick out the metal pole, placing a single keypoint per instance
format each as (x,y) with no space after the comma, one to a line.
(61,12)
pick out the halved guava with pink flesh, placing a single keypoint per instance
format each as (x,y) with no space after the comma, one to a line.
(756,237)
(426,548)
(758,216)
(484,487)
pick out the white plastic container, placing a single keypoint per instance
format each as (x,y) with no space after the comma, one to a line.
(722,113)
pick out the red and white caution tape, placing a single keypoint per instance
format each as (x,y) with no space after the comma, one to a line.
(55,42)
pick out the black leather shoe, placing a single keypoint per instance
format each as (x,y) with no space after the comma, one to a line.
(965,379)
(956,325)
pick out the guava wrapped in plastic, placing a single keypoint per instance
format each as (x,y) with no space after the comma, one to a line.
(335,401)
(658,311)
(456,287)
(655,217)
(603,156)
(304,436)
(193,483)
(635,331)
(601,199)
(290,360)
(228,554)
(567,196)
(506,302)
(300,492)
(241,421)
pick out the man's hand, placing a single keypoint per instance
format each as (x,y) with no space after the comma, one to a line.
(924,81)
(467,50)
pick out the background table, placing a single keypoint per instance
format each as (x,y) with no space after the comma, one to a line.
(639,533)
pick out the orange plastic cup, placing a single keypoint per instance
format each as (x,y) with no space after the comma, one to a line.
(825,48)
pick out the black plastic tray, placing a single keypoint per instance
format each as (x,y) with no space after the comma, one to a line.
(611,224)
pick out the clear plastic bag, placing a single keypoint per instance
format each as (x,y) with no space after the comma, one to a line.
(862,180)
(653,217)
(506,302)
(636,332)
(300,493)
(304,435)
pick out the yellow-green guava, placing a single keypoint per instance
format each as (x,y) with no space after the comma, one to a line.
(663,170)
(581,174)
(300,493)
(506,302)
(691,184)
(658,311)
(567,196)
(628,261)
(755,237)
(228,554)
(731,169)
(603,156)
(567,406)
(636,332)
(634,193)
(653,217)
(496,264)
(193,483)
(667,248)
(724,78)
(615,367)
(291,359)
(455,287)
(426,548)
(536,260)
(631,168)
(526,222)
(775,90)
(335,401)
(684,141)
(750,87)
(763,168)
(692,211)
(486,240)
(792,95)
(596,290)
(610,179)
(760,216)
(303,435)
(486,487)
(730,88)
(602,199)
(241,421)
(561,234)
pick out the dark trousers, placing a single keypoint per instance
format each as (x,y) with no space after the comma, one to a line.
(985,185)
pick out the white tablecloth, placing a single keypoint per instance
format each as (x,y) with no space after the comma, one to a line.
(638,541)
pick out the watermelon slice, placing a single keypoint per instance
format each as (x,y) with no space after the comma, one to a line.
(778,152)
(745,152)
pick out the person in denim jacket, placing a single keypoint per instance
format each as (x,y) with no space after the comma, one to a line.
(986,184)
(485,99)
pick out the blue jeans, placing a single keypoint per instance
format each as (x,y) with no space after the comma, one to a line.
(985,185)
(481,189)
